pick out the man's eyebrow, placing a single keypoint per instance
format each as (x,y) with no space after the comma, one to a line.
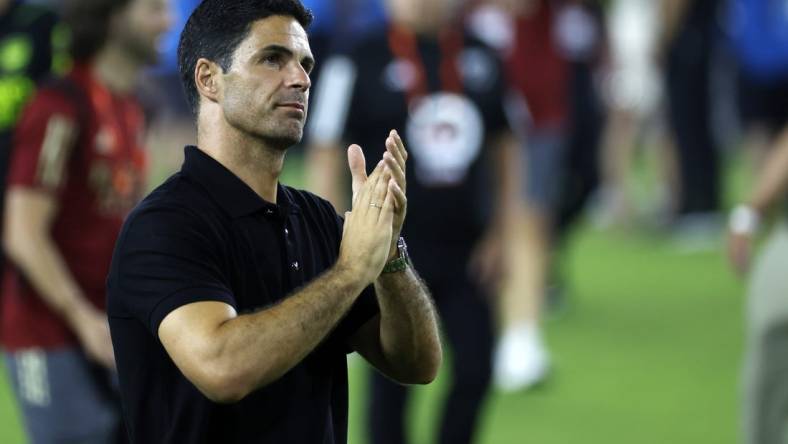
(275,48)
(283,50)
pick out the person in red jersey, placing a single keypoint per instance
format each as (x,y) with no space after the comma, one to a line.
(77,167)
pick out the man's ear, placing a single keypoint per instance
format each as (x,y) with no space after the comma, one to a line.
(208,78)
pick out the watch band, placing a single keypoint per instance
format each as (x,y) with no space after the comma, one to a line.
(401,262)
(395,265)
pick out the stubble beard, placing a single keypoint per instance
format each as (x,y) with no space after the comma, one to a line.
(281,135)
(270,125)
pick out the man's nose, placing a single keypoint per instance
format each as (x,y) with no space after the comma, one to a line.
(299,77)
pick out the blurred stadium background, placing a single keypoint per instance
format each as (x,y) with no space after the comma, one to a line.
(646,351)
(646,346)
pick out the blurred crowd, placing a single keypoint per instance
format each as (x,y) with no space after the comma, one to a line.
(522,118)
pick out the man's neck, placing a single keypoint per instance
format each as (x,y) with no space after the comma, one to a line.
(251,159)
(116,70)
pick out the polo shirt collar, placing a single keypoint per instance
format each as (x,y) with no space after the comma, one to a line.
(231,193)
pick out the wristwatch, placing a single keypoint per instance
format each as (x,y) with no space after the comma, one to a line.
(402,261)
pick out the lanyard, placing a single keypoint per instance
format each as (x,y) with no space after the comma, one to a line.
(404,45)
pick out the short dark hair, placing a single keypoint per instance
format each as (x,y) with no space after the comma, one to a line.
(217,27)
(88,21)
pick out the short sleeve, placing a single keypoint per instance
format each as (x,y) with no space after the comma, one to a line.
(43,142)
(165,258)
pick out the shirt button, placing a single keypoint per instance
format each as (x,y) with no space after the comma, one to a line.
(269,211)
(295,266)
(287,232)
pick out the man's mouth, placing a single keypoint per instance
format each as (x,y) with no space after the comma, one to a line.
(294,105)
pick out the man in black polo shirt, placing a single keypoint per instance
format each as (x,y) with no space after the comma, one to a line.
(233,299)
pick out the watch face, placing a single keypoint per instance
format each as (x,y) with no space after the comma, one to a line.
(402,248)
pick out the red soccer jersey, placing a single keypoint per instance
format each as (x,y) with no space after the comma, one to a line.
(536,68)
(90,158)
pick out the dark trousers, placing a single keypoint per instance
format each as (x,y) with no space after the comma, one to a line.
(466,319)
(580,172)
(689,108)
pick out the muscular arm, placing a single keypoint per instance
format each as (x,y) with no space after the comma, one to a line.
(402,342)
(227,356)
(27,241)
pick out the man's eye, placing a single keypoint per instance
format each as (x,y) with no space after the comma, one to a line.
(274,59)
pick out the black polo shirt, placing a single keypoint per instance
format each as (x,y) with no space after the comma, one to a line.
(204,235)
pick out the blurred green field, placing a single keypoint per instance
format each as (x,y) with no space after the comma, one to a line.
(647,352)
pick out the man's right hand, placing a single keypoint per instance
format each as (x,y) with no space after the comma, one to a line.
(92,330)
(368,227)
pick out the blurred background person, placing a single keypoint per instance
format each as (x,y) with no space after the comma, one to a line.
(33,47)
(556,51)
(759,36)
(765,372)
(77,167)
(168,119)
(686,42)
(443,90)
(633,91)
(339,22)
(583,40)
(537,78)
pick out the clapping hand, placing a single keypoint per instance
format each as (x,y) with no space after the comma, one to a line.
(394,172)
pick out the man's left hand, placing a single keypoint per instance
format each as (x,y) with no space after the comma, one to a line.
(394,158)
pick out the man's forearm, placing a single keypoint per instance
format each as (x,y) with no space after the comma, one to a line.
(409,336)
(262,346)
